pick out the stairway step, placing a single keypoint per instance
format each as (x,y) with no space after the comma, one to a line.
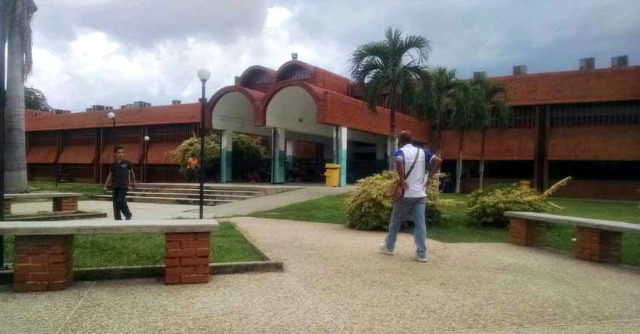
(197,190)
(167,200)
(187,195)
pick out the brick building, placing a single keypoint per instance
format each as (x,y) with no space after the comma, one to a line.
(583,123)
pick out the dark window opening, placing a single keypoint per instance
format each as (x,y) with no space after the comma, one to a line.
(595,170)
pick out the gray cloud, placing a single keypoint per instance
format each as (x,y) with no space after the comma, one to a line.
(150,50)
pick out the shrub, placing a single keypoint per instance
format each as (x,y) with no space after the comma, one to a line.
(249,156)
(487,206)
(369,208)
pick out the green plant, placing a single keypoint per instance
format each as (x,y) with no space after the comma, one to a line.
(249,155)
(369,207)
(487,207)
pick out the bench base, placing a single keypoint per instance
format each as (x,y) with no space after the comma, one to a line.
(65,204)
(7,206)
(524,232)
(43,263)
(187,258)
(598,245)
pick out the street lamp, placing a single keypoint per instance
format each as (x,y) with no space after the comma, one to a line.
(144,161)
(112,116)
(203,75)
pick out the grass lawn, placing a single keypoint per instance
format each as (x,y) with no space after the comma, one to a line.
(456,227)
(86,189)
(114,250)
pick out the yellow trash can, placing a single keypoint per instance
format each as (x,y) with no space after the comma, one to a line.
(332,175)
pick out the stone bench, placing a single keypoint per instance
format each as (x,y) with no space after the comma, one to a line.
(61,201)
(43,251)
(596,240)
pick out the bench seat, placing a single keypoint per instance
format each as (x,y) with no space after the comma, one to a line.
(43,251)
(62,202)
(596,239)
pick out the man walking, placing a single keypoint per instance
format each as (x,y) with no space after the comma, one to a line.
(118,179)
(411,163)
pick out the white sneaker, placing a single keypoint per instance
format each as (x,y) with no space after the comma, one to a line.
(420,259)
(384,250)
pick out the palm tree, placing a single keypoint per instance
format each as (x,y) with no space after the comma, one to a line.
(467,113)
(438,97)
(390,67)
(495,112)
(20,63)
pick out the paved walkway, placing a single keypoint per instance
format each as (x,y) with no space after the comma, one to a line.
(335,282)
(169,211)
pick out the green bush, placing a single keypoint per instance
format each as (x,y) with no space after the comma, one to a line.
(369,208)
(250,156)
(487,206)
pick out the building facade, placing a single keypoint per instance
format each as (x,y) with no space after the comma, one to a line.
(583,123)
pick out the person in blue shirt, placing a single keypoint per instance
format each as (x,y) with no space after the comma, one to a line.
(411,165)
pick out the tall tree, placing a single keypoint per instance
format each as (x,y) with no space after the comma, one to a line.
(390,67)
(437,100)
(20,63)
(35,99)
(467,113)
(494,113)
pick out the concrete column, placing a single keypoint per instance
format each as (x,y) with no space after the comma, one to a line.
(290,154)
(226,154)
(342,155)
(392,147)
(277,155)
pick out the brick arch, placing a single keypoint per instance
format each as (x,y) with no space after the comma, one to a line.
(315,92)
(255,70)
(284,71)
(253,96)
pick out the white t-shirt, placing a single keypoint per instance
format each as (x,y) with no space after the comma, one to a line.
(418,177)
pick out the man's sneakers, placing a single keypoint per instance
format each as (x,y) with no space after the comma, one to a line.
(420,259)
(384,250)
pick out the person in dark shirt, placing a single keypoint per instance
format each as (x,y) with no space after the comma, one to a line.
(118,179)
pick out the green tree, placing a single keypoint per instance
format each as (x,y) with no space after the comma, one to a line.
(20,62)
(436,100)
(35,99)
(494,113)
(390,69)
(468,112)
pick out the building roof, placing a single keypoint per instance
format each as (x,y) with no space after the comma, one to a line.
(171,114)
(580,86)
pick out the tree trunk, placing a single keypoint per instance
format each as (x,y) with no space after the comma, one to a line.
(15,175)
(459,165)
(483,149)
(392,144)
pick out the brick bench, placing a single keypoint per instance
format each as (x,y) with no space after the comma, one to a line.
(62,202)
(43,251)
(596,240)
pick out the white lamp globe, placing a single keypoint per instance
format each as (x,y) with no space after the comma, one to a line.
(111,115)
(146,138)
(204,74)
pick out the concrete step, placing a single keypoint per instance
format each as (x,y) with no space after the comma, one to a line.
(187,195)
(254,187)
(197,191)
(167,200)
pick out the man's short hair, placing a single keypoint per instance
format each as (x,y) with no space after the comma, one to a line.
(405,137)
(115,149)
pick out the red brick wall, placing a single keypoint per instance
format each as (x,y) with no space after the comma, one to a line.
(338,109)
(600,189)
(510,144)
(332,81)
(595,143)
(609,84)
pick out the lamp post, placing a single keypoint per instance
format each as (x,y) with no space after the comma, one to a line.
(203,75)
(112,116)
(144,161)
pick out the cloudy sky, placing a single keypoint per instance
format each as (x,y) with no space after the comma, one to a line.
(112,52)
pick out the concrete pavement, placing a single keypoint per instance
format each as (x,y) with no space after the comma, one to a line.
(168,211)
(335,282)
